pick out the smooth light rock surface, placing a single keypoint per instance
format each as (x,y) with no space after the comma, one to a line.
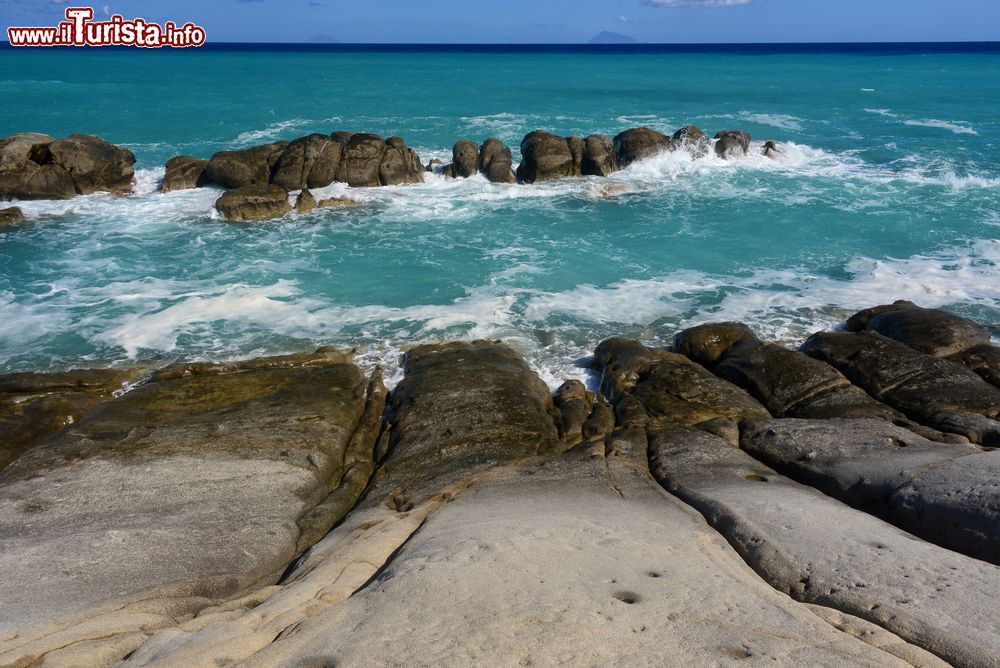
(934,391)
(945,494)
(187,492)
(821,551)
(574,560)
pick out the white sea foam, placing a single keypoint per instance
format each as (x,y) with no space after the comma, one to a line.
(780,121)
(882,112)
(958,128)
(279,130)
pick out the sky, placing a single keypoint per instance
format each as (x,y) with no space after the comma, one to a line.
(549,21)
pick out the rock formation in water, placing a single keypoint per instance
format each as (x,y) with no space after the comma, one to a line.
(36,166)
(725,499)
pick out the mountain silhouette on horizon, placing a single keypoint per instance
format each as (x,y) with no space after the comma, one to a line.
(608,37)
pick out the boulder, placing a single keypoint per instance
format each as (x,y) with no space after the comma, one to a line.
(94,164)
(464,160)
(11,216)
(933,391)
(35,166)
(186,493)
(672,389)
(691,139)
(544,156)
(930,331)
(399,164)
(184,172)
(307,162)
(639,144)
(943,493)
(361,158)
(496,162)
(256,202)
(598,156)
(574,403)
(708,344)
(820,551)
(305,202)
(436,165)
(732,144)
(772,151)
(249,166)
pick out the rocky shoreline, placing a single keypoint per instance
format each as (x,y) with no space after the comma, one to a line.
(259,180)
(721,500)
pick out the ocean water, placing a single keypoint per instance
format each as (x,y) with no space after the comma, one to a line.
(890,189)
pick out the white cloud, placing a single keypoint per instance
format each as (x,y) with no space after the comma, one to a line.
(695,3)
(622,19)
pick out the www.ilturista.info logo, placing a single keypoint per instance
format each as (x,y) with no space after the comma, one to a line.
(79,29)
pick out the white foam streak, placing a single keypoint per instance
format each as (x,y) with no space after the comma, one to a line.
(958,128)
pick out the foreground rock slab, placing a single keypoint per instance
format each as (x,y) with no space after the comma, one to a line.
(34,406)
(191,490)
(821,551)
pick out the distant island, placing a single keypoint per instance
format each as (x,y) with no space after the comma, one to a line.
(607,37)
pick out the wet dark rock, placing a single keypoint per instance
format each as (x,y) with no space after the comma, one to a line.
(576,151)
(639,144)
(308,162)
(693,140)
(184,172)
(936,392)
(11,216)
(33,406)
(707,344)
(256,202)
(464,160)
(496,162)
(574,403)
(463,408)
(931,331)
(249,166)
(732,144)
(544,156)
(599,157)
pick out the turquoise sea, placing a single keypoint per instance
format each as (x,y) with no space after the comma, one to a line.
(890,189)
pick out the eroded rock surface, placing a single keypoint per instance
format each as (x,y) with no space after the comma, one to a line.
(36,166)
(256,202)
(821,551)
(187,492)
(937,392)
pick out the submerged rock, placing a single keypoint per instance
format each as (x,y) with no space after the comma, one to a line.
(36,166)
(11,216)
(256,202)
(772,151)
(184,172)
(639,144)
